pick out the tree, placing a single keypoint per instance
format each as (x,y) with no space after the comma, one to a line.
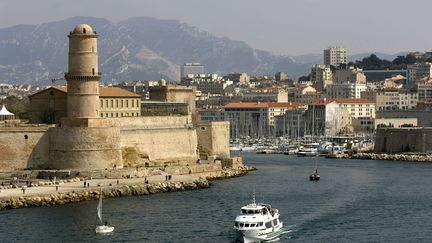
(16,105)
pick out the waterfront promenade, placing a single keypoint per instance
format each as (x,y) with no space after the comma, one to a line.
(78,184)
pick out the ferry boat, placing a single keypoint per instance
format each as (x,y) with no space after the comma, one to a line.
(258,222)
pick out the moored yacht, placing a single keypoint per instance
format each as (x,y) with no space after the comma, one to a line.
(258,222)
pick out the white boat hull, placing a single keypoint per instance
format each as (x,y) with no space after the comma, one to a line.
(102,229)
(259,235)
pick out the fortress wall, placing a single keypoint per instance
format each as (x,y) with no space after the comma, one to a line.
(161,144)
(154,121)
(85,148)
(23,147)
(213,138)
(395,140)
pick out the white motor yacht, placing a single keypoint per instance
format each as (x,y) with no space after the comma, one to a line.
(258,222)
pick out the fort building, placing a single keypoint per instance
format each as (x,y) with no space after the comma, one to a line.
(82,131)
(49,105)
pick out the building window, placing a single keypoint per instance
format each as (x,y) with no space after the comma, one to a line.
(117,104)
(84,30)
(112,103)
(122,104)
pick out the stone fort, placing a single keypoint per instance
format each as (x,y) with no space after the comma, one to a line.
(85,139)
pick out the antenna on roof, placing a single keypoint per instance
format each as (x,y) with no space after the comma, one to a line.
(253,197)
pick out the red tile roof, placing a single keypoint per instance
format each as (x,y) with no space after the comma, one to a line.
(341,101)
(106,92)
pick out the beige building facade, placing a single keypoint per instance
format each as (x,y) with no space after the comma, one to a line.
(49,105)
(391,99)
(335,56)
(349,75)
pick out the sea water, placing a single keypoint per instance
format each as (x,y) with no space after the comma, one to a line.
(355,201)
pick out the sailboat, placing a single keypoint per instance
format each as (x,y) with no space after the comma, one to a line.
(315,176)
(101,228)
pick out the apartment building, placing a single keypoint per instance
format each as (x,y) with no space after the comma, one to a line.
(345,90)
(335,56)
(424,91)
(419,71)
(321,75)
(254,119)
(349,75)
(391,99)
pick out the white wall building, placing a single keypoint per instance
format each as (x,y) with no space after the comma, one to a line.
(346,90)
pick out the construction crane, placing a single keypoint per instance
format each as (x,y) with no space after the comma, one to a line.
(53,80)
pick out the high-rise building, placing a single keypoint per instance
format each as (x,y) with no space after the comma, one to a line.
(191,69)
(335,56)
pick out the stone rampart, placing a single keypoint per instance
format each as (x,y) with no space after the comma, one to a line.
(161,145)
(84,148)
(408,139)
(23,147)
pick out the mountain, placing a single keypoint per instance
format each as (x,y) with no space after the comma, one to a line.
(136,48)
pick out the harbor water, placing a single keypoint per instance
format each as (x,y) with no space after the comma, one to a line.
(355,201)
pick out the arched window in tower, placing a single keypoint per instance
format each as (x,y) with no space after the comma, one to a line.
(84,30)
(93,71)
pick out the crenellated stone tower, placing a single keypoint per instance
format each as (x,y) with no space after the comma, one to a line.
(83,140)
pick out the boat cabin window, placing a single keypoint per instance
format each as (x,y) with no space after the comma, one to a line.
(250,211)
(252,225)
(237,224)
(246,225)
(275,221)
(241,224)
(268,224)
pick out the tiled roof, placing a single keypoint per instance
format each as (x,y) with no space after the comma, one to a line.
(341,101)
(261,104)
(106,92)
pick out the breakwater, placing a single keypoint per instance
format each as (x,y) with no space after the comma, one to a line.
(94,193)
(50,197)
(400,157)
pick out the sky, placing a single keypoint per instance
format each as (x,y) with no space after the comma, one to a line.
(286,27)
